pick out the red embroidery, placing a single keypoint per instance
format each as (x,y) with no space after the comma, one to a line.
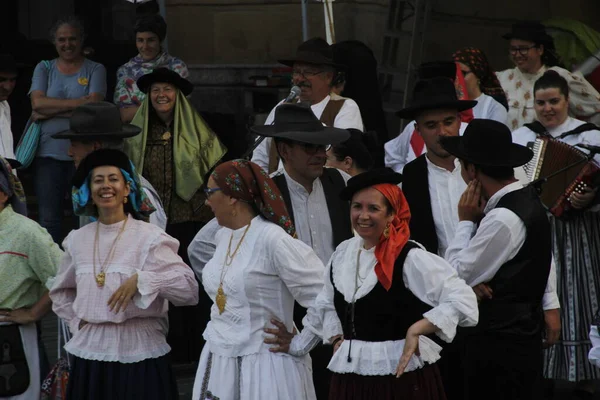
(14,254)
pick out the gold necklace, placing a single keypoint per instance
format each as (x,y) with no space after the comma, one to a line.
(101,276)
(221,298)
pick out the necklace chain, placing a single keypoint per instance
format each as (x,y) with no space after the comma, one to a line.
(100,277)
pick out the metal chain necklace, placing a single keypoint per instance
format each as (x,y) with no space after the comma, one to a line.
(221,298)
(101,276)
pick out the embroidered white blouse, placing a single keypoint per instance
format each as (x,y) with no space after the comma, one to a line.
(427,276)
(269,271)
(140,331)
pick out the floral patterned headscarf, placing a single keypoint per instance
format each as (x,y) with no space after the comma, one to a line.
(244,180)
(478,62)
(12,187)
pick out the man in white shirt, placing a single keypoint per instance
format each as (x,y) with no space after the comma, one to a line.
(313,72)
(503,249)
(96,126)
(8,80)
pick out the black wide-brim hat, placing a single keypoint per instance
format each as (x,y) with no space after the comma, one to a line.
(436,69)
(8,64)
(97,121)
(100,158)
(487,143)
(297,122)
(14,164)
(165,75)
(434,94)
(532,31)
(370,178)
(313,51)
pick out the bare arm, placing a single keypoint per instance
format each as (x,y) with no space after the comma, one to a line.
(127,113)
(24,316)
(52,106)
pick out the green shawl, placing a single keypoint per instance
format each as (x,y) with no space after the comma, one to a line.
(196,148)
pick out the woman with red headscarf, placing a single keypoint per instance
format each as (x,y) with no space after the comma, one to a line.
(382,296)
(257,271)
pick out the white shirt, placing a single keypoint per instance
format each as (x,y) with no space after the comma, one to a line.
(584,100)
(269,271)
(399,152)
(427,276)
(348,117)
(489,108)
(7,149)
(311,215)
(445,189)
(202,248)
(500,236)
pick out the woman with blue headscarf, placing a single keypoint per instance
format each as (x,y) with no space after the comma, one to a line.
(114,284)
(29,259)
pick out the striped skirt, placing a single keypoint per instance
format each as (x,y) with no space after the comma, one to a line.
(576,248)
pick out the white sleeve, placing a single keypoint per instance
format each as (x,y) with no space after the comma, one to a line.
(594,354)
(550,300)
(499,238)
(158,217)
(498,112)
(202,248)
(431,279)
(349,116)
(260,156)
(396,150)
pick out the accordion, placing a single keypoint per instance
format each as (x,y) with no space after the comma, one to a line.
(550,156)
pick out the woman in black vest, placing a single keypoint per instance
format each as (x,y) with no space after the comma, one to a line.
(382,295)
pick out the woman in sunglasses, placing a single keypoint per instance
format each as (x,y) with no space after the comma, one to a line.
(532,51)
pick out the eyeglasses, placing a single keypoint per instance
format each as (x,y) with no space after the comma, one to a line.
(521,50)
(306,73)
(312,149)
(209,191)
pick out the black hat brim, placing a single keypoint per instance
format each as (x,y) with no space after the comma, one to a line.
(14,164)
(370,178)
(100,158)
(292,61)
(516,156)
(126,132)
(325,136)
(175,79)
(413,111)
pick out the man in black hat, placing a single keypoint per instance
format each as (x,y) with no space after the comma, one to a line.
(96,126)
(407,146)
(532,51)
(511,252)
(313,72)
(8,80)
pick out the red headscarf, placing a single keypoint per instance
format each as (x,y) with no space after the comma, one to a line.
(388,249)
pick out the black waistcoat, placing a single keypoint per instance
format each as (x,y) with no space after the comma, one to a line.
(519,284)
(339,210)
(415,185)
(381,315)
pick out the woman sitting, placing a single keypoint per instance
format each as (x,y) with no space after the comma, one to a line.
(482,85)
(575,239)
(382,295)
(150,31)
(532,51)
(257,271)
(352,156)
(113,286)
(28,263)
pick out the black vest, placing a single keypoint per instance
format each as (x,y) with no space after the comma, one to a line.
(415,185)
(381,315)
(519,284)
(339,210)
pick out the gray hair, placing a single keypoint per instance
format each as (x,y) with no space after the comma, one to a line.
(70,20)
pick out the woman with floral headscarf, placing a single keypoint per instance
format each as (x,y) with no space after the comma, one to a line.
(114,284)
(482,85)
(382,296)
(257,271)
(28,262)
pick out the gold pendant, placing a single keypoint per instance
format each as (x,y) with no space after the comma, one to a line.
(166,136)
(221,299)
(100,279)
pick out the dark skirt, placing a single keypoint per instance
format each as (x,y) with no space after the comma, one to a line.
(150,379)
(421,384)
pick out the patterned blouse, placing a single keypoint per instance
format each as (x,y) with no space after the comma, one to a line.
(127,94)
(584,100)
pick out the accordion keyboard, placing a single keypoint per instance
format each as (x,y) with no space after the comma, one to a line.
(533,167)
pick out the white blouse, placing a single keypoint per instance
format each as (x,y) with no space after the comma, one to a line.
(269,271)
(430,278)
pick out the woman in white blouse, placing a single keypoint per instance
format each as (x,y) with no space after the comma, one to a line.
(257,271)
(383,295)
(114,284)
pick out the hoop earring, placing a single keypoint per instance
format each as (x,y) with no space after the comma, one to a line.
(386,231)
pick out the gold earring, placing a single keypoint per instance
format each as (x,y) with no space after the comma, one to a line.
(125,200)
(386,231)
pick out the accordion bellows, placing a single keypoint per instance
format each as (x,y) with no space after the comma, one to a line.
(551,156)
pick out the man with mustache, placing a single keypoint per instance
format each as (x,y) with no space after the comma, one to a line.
(8,80)
(314,72)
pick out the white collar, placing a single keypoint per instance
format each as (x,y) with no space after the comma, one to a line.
(493,201)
